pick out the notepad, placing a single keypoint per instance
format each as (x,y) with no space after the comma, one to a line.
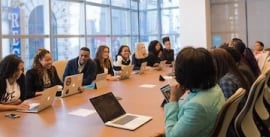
(82,112)
(147,86)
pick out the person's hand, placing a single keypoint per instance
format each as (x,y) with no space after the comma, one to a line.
(176,92)
(23,106)
(112,78)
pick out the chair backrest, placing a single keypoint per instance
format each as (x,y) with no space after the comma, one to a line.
(260,108)
(60,68)
(226,114)
(244,122)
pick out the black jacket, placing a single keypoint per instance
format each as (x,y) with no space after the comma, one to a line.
(101,69)
(35,83)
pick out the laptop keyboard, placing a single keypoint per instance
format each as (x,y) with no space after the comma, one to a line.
(124,120)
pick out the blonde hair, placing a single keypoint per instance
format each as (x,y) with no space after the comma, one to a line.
(139,52)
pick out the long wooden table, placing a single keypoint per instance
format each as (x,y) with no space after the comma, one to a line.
(56,122)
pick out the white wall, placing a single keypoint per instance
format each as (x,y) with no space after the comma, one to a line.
(195,23)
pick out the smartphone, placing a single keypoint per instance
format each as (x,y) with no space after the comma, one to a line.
(165,90)
(12,116)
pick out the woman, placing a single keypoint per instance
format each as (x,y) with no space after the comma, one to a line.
(139,56)
(12,84)
(42,75)
(228,75)
(122,58)
(103,62)
(196,114)
(155,52)
(168,53)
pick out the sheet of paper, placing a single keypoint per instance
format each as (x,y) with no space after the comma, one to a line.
(82,112)
(147,86)
(167,77)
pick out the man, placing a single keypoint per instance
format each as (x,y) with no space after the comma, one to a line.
(168,53)
(82,64)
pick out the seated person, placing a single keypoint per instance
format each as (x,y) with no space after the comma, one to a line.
(139,56)
(82,64)
(258,49)
(42,75)
(167,53)
(12,84)
(154,53)
(103,62)
(122,58)
(194,116)
(229,76)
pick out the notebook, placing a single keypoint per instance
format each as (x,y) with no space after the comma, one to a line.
(43,101)
(112,113)
(126,72)
(101,81)
(72,84)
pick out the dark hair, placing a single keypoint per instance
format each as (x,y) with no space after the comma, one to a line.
(152,47)
(9,65)
(235,41)
(165,39)
(261,43)
(36,63)
(195,69)
(85,49)
(225,63)
(240,46)
(234,53)
(120,50)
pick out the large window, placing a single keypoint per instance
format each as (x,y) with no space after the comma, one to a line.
(64,26)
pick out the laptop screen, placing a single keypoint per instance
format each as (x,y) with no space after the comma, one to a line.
(107,106)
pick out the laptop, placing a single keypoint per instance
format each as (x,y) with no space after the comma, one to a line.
(101,81)
(42,102)
(112,113)
(161,65)
(72,84)
(126,72)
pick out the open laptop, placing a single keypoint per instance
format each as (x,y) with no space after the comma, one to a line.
(72,84)
(126,72)
(101,81)
(41,102)
(142,68)
(161,65)
(112,113)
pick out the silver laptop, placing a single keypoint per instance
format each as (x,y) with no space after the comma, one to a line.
(142,68)
(126,72)
(72,84)
(41,102)
(161,65)
(112,113)
(101,81)
(173,68)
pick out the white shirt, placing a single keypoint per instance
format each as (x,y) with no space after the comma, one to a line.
(12,94)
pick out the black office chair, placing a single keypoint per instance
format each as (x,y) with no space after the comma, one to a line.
(225,115)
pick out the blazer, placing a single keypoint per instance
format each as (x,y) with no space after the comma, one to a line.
(100,69)
(89,70)
(152,59)
(137,62)
(195,115)
(35,83)
(168,55)
(20,82)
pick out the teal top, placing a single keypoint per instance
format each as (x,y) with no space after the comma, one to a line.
(195,115)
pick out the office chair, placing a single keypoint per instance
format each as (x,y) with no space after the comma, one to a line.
(225,115)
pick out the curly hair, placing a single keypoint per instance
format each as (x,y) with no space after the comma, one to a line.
(9,65)
(152,47)
(36,63)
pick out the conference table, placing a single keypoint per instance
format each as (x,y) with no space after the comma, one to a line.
(56,121)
